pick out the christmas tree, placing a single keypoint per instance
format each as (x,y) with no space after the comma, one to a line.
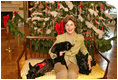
(46,19)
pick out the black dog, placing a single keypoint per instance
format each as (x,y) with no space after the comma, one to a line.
(40,69)
(62,46)
(48,64)
(82,61)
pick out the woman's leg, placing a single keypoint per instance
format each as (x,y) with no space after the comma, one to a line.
(61,71)
(72,71)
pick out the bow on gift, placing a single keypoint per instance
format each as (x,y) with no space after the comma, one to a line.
(59,27)
(5,23)
(41,65)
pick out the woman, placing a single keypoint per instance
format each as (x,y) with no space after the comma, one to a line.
(78,41)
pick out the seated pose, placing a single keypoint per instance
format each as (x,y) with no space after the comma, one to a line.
(70,56)
(47,65)
(62,46)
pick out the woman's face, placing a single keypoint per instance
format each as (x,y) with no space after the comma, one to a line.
(70,27)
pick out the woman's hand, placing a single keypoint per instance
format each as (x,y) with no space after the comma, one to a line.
(61,53)
(89,62)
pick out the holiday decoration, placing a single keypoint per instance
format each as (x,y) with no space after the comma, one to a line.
(5,23)
(59,28)
(46,19)
(7,32)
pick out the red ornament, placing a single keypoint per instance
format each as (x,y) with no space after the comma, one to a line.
(59,28)
(31,23)
(96,22)
(102,28)
(53,18)
(91,18)
(15,12)
(47,8)
(80,6)
(45,5)
(58,5)
(41,28)
(102,7)
(41,3)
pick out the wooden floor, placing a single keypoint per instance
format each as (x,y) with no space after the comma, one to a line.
(9,65)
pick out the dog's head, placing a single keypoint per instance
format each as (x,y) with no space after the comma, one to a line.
(32,73)
(62,46)
(82,62)
(68,45)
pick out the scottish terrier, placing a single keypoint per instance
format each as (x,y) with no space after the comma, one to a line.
(62,46)
(48,64)
(82,62)
(40,68)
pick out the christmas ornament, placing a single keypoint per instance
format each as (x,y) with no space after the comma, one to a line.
(96,22)
(41,3)
(31,23)
(58,5)
(92,12)
(36,14)
(89,25)
(99,32)
(80,18)
(54,13)
(37,18)
(46,19)
(91,18)
(102,8)
(45,5)
(48,31)
(102,28)
(65,9)
(69,4)
(80,6)
(15,12)
(35,28)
